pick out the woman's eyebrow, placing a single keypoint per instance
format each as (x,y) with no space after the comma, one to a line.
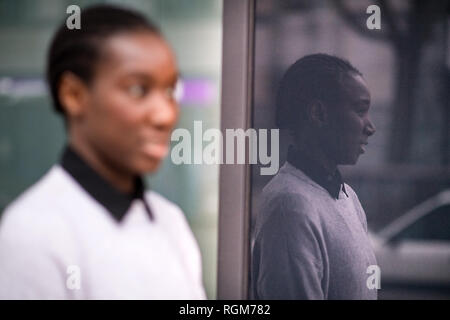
(147,77)
(141,75)
(174,79)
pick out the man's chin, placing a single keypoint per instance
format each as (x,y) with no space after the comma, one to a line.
(349,161)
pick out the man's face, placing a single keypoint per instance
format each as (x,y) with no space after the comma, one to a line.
(131,110)
(349,122)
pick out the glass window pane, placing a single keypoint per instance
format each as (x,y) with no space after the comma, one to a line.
(306,55)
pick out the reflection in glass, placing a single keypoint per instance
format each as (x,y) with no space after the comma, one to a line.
(405,69)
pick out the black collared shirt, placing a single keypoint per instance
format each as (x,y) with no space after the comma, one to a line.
(331,182)
(115,201)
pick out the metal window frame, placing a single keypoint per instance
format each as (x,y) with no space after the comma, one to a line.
(234,188)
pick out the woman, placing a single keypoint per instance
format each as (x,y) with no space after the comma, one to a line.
(88,229)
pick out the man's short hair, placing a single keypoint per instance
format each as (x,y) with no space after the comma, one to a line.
(311,78)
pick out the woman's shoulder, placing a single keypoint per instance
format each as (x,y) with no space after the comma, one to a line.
(39,197)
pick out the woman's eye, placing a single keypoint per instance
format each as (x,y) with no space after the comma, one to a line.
(170,93)
(175,92)
(137,91)
(178,91)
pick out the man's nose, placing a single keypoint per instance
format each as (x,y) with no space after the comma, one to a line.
(369,128)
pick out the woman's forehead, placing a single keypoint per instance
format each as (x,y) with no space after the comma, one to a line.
(141,52)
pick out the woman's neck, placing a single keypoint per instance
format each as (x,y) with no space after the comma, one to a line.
(119,179)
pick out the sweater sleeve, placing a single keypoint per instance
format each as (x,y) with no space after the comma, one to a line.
(287,258)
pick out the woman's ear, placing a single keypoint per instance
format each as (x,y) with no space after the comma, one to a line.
(72,94)
(317,113)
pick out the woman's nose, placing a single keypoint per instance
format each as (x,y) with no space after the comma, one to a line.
(163,112)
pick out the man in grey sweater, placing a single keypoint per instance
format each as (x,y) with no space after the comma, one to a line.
(311,237)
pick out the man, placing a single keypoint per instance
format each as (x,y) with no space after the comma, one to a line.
(88,229)
(311,237)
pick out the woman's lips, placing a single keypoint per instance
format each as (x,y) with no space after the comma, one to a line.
(156,150)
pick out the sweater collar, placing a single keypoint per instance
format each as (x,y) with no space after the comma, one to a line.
(115,201)
(333,183)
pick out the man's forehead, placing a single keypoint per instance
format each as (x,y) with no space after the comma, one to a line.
(356,88)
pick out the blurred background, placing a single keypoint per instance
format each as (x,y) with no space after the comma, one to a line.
(32,135)
(402,178)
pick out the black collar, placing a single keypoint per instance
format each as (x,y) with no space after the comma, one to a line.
(331,182)
(115,201)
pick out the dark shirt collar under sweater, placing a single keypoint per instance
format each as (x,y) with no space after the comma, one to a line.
(115,201)
(331,182)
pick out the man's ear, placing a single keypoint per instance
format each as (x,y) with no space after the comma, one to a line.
(317,113)
(72,93)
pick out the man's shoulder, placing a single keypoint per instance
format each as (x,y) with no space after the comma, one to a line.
(351,193)
(353,197)
(288,200)
(357,204)
(290,189)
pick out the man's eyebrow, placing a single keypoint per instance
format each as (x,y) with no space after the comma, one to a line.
(364,101)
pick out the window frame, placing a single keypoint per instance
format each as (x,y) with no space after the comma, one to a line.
(234,179)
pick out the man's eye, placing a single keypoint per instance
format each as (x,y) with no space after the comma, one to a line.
(137,90)
(361,112)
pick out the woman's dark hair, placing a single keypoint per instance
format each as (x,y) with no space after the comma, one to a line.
(311,78)
(79,50)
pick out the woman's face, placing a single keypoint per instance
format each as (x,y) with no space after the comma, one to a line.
(130,109)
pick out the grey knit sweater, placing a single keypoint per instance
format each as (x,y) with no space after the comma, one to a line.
(309,245)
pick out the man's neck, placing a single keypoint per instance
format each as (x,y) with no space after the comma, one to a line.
(314,165)
(317,154)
